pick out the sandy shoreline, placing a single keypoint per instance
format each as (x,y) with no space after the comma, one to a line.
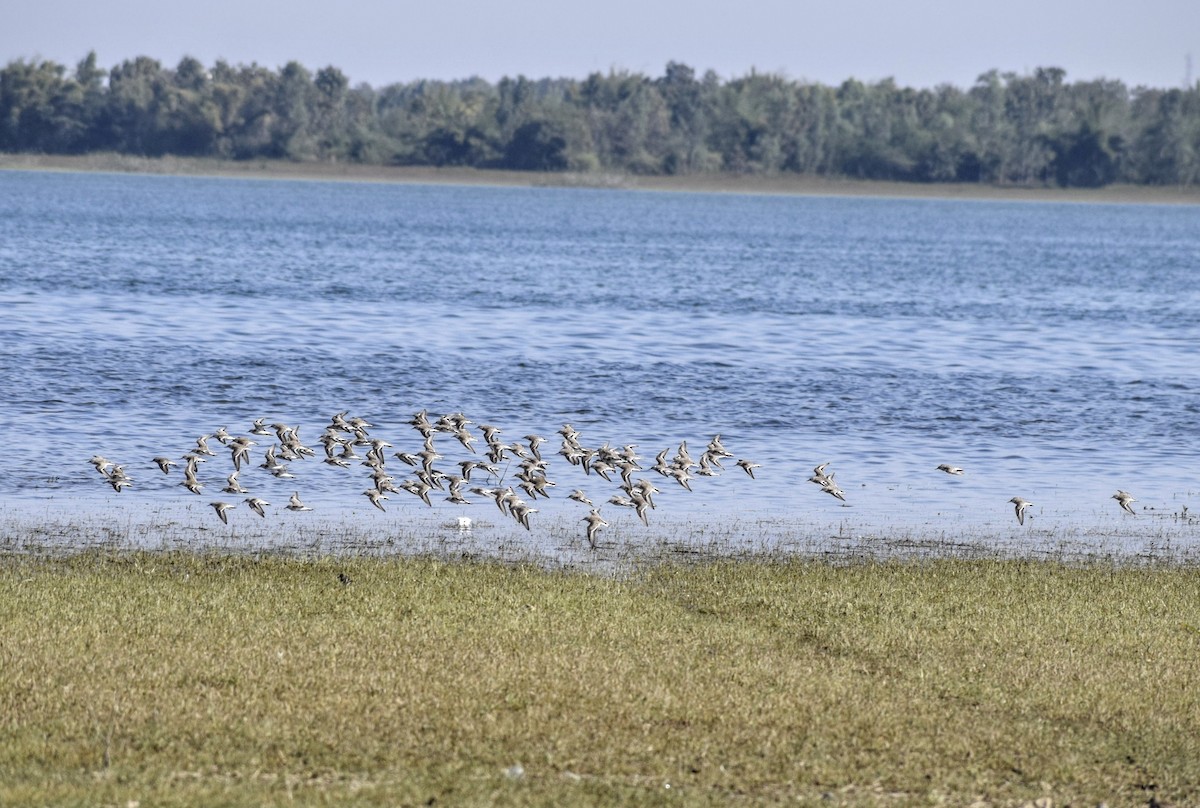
(721,183)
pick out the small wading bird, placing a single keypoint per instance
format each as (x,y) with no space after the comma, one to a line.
(949,469)
(257,505)
(221,508)
(294,504)
(831,488)
(748,467)
(594,522)
(232,486)
(1020,505)
(1123,499)
(118,479)
(192,484)
(375,495)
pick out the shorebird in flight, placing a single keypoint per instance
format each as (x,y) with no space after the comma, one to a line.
(294,504)
(594,523)
(1123,499)
(118,479)
(645,489)
(831,488)
(819,476)
(1021,505)
(221,508)
(520,511)
(375,495)
(232,486)
(748,467)
(192,484)
(240,449)
(164,464)
(949,469)
(257,505)
(579,496)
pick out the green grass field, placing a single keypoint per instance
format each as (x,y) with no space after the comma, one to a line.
(176,679)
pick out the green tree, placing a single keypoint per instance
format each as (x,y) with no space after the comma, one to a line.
(1167,150)
(132,114)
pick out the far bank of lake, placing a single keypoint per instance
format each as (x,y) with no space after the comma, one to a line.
(694,183)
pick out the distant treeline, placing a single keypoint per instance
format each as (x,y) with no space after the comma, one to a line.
(1006,129)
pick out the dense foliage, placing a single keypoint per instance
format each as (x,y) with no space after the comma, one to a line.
(1007,128)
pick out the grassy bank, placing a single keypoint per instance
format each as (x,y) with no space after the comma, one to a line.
(705,183)
(178,679)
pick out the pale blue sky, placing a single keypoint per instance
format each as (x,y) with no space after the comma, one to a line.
(920,43)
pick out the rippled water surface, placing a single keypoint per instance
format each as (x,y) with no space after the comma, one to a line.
(1052,350)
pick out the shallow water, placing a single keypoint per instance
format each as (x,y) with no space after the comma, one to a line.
(1049,349)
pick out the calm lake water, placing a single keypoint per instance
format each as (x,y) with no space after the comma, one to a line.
(1051,350)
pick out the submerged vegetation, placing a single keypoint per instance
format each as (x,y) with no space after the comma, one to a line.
(1034,129)
(173,678)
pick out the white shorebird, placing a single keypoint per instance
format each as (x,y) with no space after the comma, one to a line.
(466,439)
(1123,499)
(118,479)
(534,442)
(506,499)
(493,494)
(407,458)
(221,508)
(594,523)
(831,488)
(232,486)
(1021,505)
(683,460)
(819,476)
(191,463)
(240,450)
(375,495)
(639,504)
(192,484)
(681,476)
(257,505)
(646,489)
(294,504)
(418,488)
(748,467)
(579,496)
(949,469)
(520,511)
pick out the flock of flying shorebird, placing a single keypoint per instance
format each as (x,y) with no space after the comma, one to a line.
(345,436)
